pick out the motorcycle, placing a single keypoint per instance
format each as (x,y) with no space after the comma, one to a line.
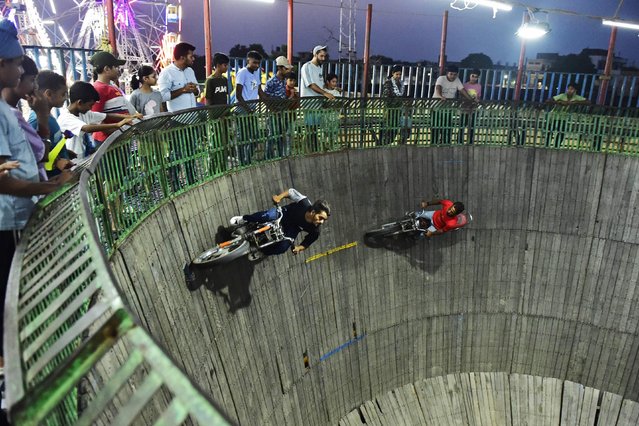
(248,239)
(411,225)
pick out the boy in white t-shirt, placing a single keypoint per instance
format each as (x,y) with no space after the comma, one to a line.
(446,87)
(79,120)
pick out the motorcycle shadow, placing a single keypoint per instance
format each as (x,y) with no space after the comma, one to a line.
(423,253)
(230,281)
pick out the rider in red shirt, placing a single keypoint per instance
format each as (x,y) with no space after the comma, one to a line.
(442,220)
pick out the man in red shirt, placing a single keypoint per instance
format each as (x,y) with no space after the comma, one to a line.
(442,220)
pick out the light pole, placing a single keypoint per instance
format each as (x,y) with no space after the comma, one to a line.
(289,38)
(442,47)
(367,50)
(207,37)
(520,64)
(111,27)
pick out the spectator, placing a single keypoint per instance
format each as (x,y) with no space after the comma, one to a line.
(312,75)
(19,185)
(144,99)
(50,92)
(216,87)
(112,101)
(78,119)
(330,85)
(177,82)
(278,123)
(291,89)
(25,90)
(312,85)
(248,88)
(178,86)
(559,117)
(473,88)
(393,90)
(446,87)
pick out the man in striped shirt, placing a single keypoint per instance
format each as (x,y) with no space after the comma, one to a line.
(112,100)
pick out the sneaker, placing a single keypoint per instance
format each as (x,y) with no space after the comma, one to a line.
(237,221)
(254,256)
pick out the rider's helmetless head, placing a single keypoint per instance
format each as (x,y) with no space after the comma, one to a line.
(455,209)
(318,213)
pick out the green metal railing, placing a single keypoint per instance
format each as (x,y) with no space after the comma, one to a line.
(72,348)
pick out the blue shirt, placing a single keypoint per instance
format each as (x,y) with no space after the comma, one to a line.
(15,211)
(172,78)
(276,88)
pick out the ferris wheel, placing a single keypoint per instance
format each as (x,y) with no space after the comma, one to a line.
(142,27)
(146,30)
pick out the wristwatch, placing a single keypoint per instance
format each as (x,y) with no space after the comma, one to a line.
(46,141)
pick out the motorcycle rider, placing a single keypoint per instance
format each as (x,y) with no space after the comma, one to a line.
(442,220)
(299,215)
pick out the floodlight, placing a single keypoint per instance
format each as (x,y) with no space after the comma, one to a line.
(621,24)
(533,30)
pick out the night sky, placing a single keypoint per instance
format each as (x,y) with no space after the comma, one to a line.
(411,29)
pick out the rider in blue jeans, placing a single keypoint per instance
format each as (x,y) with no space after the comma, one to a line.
(299,215)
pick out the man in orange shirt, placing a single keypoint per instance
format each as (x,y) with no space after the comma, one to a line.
(442,220)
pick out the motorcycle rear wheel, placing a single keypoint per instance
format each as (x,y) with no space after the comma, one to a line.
(223,253)
(385,231)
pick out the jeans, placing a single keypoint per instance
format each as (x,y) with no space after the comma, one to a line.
(278,137)
(247,133)
(269,216)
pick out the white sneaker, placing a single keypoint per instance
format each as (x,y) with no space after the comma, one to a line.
(237,221)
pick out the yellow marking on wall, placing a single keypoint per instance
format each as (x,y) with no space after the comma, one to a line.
(332,251)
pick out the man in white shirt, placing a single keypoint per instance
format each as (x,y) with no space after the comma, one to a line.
(446,87)
(313,75)
(178,86)
(177,82)
(312,84)
(248,87)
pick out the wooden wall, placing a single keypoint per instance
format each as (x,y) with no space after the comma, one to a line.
(542,283)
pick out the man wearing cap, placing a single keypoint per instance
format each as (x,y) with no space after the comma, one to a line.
(312,85)
(312,75)
(17,185)
(278,124)
(106,69)
(177,82)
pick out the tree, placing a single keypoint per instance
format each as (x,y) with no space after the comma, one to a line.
(240,50)
(573,63)
(381,60)
(476,60)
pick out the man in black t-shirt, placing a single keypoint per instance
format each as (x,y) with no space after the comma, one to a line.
(299,215)
(217,86)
